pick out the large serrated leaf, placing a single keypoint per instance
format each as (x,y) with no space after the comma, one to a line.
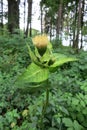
(59,60)
(34,74)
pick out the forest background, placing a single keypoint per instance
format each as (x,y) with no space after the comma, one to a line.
(65,23)
(71,23)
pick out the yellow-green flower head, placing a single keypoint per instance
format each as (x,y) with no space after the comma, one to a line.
(13,124)
(25,113)
(40,41)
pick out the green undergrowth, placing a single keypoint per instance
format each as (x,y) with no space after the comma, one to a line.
(20,109)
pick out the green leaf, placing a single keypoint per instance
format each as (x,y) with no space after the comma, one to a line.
(37,59)
(32,55)
(49,46)
(68,122)
(83,103)
(75,101)
(77,126)
(63,109)
(46,57)
(37,53)
(34,74)
(60,59)
(12,115)
(84,86)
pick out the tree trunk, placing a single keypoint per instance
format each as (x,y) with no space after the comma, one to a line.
(75,25)
(59,19)
(50,30)
(78,24)
(29,30)
(24,13)
(13,15)
(82,23)
(41,18)
(1,22)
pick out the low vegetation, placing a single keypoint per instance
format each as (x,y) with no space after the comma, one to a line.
(21,108)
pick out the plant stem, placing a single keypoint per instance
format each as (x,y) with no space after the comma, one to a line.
(47,97)
(45,105)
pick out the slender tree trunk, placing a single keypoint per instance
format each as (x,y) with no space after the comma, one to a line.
(81,41)
(41,18)
(1,23)
(50,31)
(47,23)
(78,24)
(24,13)
(29,30)
(75,25)
(82,23)
(2,12)
(59,19)
(13,15)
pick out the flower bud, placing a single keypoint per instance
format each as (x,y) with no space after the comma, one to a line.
(41,43)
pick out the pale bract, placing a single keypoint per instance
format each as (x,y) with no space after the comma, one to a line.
(40,41)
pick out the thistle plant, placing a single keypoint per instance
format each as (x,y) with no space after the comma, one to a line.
(44,62)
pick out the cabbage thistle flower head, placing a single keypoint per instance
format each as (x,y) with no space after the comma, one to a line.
(41,42)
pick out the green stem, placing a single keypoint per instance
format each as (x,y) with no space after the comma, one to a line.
(47,97)
(45,105)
